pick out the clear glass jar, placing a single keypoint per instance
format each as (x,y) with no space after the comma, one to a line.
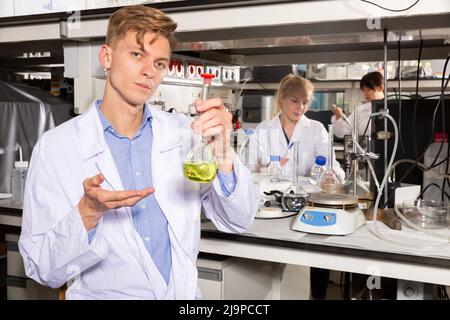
(317,170)
(274,169)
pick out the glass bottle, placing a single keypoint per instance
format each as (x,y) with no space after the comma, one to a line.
(18,178)
(294,198)
(274,169)
(317,170)
(200,164)
(330,180)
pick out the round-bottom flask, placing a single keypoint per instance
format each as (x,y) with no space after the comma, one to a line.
(294,198)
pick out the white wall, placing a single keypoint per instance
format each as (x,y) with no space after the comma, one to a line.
(6,8)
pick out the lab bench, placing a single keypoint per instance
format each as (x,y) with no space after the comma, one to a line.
(314,250)
(220,277)
(295,248)
(10,213)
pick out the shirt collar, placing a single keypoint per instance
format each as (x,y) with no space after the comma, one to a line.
(107,126)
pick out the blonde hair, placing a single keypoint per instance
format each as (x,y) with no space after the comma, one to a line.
(140,19)
(290,83)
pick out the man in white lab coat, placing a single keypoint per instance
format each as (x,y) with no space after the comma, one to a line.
(107,208)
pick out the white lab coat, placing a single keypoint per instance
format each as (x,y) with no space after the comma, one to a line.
(342,128)
(115,264)
(313,141)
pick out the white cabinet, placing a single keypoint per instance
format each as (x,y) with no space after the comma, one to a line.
(227,278)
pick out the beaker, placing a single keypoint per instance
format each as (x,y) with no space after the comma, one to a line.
(251,152)
(294,198)
(200,164)
(362,187)
(330,180)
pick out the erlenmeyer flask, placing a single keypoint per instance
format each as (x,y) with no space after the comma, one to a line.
(200,164)
(294,198)
(330,180)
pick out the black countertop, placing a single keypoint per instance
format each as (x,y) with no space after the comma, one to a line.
(10,207)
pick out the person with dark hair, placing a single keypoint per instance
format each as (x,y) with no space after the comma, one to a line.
(372,87)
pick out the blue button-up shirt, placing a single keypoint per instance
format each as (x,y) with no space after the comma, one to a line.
(133,161)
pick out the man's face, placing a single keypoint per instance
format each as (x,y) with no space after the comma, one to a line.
(136,72)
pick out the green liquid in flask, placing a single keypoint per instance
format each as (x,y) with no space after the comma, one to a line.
(200,171)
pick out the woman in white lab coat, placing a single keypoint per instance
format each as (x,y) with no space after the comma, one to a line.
(290,124)
(372,87)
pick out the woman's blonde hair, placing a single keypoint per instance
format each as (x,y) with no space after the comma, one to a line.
(290,83)
(140,19)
